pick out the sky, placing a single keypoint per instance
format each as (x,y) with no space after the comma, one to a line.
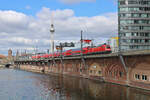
(25,24)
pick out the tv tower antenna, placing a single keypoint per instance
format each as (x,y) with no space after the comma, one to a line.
(52,30)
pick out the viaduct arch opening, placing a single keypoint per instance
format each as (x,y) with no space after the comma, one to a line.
(7,65)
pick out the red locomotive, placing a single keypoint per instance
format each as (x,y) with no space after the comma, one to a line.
(101,49)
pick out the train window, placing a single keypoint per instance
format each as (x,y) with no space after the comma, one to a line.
(108,47)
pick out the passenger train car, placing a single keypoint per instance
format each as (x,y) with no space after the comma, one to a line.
(101,49)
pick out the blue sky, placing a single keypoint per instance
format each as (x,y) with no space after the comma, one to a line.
(81,9)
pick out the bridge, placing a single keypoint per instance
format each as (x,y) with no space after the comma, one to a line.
(129,53)
(5,63)
(127,68)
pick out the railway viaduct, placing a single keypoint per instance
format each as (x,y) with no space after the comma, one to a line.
(128,68)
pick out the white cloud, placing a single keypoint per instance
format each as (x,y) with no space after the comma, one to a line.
(18,30)
(76,1)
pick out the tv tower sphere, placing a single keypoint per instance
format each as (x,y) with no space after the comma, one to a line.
(52,30)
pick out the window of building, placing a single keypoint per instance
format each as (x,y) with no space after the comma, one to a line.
(147,9)
(131,47)
(148,15)
(124,47)
(143,21)
(90,71)
(140,2)
(123,9)
(133,9)
(146,40)
(137,34)
(144,8)
(133,27)
(99,72)
(144,77)
(143,15)
(146,28)
(121,28)
(134,47)
(123,22)
(145,47)
(135,15)
(144,2)
(141,34)
(132,2)
(142,41)
(141,27)
(146,34)
(133,34)
(128,15)
(128,34)
(122,15)
(136,21)
(123,40)
(137,76)
(122,3)
(80,70)
(128,41)
(130,21)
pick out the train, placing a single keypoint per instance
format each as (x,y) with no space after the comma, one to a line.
(100,49)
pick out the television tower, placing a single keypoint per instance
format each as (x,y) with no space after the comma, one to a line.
(52,30)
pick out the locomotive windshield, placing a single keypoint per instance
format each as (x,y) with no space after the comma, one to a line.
(108,47)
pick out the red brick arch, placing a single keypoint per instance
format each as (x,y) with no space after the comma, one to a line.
(115,71)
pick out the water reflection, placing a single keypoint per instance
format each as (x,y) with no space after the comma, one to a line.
(70,88)
(20,85)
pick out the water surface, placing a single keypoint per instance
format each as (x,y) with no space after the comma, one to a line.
(22,85)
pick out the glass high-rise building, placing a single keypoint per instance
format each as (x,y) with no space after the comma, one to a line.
(134,24)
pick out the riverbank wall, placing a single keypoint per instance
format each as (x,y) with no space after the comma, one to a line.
(134,72)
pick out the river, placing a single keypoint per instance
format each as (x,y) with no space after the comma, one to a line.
(22,85)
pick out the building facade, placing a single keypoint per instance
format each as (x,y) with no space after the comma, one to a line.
(2,59)
(114,44)
(134,24)
(9,54)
